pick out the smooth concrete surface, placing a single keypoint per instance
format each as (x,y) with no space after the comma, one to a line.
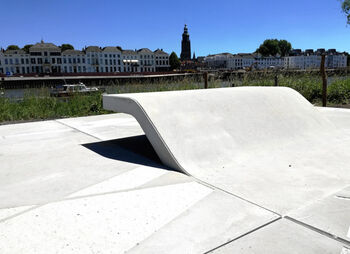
(330,214)
(268,145)
(95,185)
(74,186)
(284,237)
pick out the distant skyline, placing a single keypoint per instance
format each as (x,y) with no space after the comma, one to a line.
(214,26)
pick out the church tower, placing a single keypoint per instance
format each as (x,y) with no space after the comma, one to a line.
(185,45)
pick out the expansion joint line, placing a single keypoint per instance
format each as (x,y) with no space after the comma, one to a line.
(232,194)
(331,236)
(76,129)
(249,232)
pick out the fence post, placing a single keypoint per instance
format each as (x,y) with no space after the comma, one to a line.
(205,76)
(276,80)
(324,80)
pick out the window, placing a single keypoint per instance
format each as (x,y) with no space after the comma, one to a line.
(35,54)
(45,53)
(6,61)
(64,60)
(11,62)
(27,61)
(22,61)
(70,61)
(53,60)
(32,61)
(59,60)
(74,60)
(40,60)
(78,60)
(83,60)
(105,55)
(106,61)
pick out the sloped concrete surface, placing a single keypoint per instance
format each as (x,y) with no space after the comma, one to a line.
(245,139)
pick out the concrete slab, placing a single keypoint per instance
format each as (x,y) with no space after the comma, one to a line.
(213,221)
(284,237)
(39,160)
(65,190)
(106,223)
(10,212)
(249,141)
(330,215)
(105,127)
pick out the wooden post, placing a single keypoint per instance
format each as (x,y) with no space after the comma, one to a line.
(276,80)
(324,80)
(205,76)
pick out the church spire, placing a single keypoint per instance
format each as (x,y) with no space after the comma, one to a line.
(185,45)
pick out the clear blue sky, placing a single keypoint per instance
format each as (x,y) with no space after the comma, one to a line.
(214,25)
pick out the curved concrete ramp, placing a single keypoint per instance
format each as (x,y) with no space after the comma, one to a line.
(268,145)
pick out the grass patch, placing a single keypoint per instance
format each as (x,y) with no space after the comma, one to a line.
(39,108)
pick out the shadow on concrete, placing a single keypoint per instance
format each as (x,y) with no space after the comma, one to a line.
(136,149)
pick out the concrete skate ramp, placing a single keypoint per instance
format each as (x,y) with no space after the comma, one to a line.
(268,145)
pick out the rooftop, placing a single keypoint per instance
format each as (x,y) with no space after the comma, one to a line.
(72,52)
(111,49)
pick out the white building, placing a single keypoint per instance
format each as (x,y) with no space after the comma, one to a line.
(229,61)
(161,60)
(48,58)
(298,60)
(311,60)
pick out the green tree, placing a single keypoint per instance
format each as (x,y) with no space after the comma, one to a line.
(174,61)
(12,47)
(346,9)
(285,47)
(273,47)
(269,47)
(26,47)
(66,46)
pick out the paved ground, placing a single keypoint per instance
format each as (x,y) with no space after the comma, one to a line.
(95,185)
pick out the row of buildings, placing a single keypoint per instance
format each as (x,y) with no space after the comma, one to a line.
(48,58)
(297,59)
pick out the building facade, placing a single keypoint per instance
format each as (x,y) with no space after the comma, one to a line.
(227,61)
(185,45)
(310,59)
(48,58)
(297,59)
